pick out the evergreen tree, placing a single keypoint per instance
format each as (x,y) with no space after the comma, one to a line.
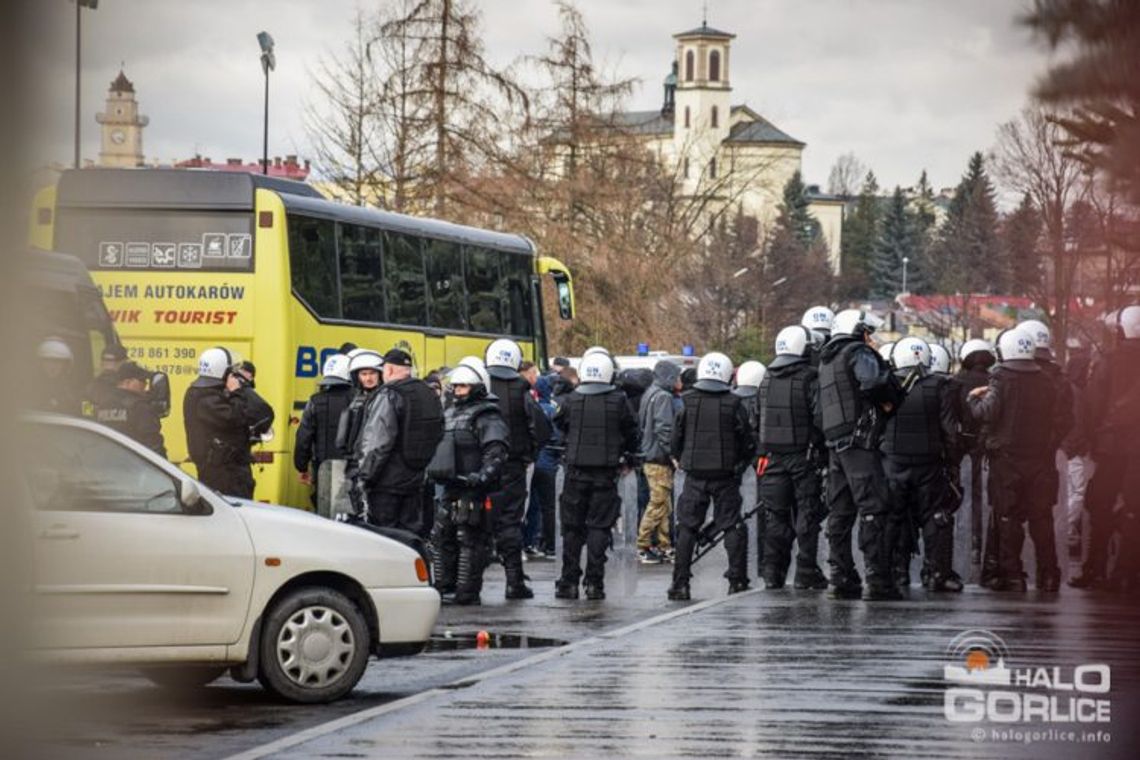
(794,214)
(860,237)
(1020,233)
(924,225)
(895,244)
(970,257)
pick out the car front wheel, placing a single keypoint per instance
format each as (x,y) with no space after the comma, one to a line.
(314,646)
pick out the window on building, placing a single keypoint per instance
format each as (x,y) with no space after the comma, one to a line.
(404,278)
(686,168)
(714,120)
(686,117)
(444,263)
(312,264)
(712,168)
(714,66)
(361,273)
(690,65)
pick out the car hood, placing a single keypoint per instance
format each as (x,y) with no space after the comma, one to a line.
(306,542)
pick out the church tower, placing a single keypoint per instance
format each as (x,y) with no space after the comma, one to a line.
(701,116)
(122,126)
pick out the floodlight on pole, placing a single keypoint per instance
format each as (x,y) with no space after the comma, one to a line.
(79,6)
(268,63)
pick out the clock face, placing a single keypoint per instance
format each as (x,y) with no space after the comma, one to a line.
(118,136)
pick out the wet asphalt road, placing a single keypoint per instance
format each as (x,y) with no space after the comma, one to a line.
(779,674)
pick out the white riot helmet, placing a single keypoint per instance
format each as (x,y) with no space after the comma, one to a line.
(885,352)
(214,363)
(909,353)
(476,365)
(1129,321)
(1016,343)
(335,371)
(794,341)
(504,352)
(597,367)
(973,346)
(750,374)
(939,359)
(54,349)
(364,358)
(596,350)
(818,318)
(1042,338)
(855,322)
(715,366)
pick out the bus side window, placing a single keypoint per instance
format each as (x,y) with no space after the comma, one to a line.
(444,264)
(485,289)
(404,278)
(520,312)
(361,275)
(312,263)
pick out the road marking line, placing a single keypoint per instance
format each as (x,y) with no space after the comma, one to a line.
(346,721)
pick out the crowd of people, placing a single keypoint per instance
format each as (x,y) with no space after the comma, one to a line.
(835,430)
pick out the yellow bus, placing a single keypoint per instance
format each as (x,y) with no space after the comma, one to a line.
(273,271)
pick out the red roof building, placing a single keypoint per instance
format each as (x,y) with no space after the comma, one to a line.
(284,168)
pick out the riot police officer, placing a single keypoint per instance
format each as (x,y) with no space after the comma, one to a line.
(600,430)
(402,427)
(364,367)
(976,357)
(939,360)
(856,392)
(54,386)
(713,444)
(1112,422)
(126,408)
(528,432)
(467,464)
(316,445)
(220,411)
(749,375)
(790,446)
(918,441)
(1025,423)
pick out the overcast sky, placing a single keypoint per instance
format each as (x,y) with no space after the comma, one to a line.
(905,84)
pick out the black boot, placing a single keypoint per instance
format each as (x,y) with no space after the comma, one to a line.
(516,580)
(1087,579)
(736,586)
(468,582)
(951,582)
(595,592)
(679,591)
(811,580)
(563,590)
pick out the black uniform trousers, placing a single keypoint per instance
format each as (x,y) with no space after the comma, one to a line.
(923,505)
(857,487)
(589,507)
(1107,485)
(396,510)
(789,490)
(508,509)
(1022,491)
(692,506)
(459,543)
(230,479)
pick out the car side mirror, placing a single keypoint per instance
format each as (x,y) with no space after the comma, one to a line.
(565,298)
(191,498)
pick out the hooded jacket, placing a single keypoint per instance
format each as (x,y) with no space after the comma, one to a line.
(656,412)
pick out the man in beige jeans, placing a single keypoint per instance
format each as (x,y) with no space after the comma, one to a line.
(655,419)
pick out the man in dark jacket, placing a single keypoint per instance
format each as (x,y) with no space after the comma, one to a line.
(126,408)
(400,432)
(713,444)
(917,447)
(655,423)
(468,464)
(790,445)
(600,430)
(528,432)
(749,375)
(1025,423)
(316,455)
(856,393)
(220,411)
(1112,422)
(102,390)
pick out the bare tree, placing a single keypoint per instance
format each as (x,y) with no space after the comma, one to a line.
(846,176)
(1030,159)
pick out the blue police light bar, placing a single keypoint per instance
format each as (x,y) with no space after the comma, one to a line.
(643,349)
(687,350)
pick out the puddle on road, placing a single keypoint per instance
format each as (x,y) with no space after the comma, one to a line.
(450,641)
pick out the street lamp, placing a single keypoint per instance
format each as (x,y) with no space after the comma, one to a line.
(268,62)
(79,5)
(906,260)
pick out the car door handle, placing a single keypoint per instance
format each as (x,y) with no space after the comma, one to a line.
(59,533)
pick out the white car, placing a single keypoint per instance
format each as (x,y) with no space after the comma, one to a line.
(136,563)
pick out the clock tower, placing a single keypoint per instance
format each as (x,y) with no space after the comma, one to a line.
(122,126)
